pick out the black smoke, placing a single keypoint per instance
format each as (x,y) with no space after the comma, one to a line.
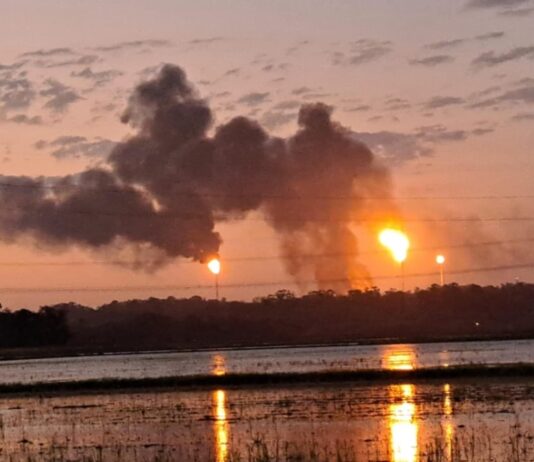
(165,188)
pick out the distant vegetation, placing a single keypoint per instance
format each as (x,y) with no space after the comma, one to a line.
(24,328)
(320,317)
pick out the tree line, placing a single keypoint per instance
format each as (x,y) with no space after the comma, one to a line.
(319,317)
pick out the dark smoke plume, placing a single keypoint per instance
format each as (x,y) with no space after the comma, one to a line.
(168,186)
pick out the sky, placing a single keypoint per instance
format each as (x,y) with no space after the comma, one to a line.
(441,92)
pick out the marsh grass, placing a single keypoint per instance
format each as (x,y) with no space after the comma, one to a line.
(470,445)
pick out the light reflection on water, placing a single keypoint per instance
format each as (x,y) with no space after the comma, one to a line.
(399,358)
(265,360)
(221,426)
(402,421)
(447,420)
(403,424)
(218,364)
(371,421)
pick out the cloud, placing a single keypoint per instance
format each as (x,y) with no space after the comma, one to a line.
(400,147)
(524,94)
(393,146)
(285,105)
(12,66)
(60,96)
(25,120)
(275,67)
(133,44)
(84,60)
(205,41)
(45,53)
(485,92)
(439,134)
(432,61)
(254,98)
(495,3)
(443,101)
(525,81)
(523,117)
(316,95)
(445,44)
(482,131)
(99,78)
(517,13)
(65,147)
(232,72)
(301,91)
(490,58)
(360,108)
(363,51)
(15,93)
(489,36)
(397,104)
(275,119)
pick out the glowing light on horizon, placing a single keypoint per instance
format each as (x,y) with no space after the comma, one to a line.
(396,242)
(214,265)
(440,259)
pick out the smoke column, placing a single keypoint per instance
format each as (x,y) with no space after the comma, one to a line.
(164,189)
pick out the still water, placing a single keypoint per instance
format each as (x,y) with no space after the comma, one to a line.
(268,360)
(402,422)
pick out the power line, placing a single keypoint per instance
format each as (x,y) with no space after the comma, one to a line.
(252,284)
(248,258)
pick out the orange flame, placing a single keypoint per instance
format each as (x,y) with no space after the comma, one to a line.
(214,265)
(396,242)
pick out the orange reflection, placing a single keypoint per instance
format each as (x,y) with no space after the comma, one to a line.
(218,365)
(403,424)
(399,358)
(221,427)
(448,426)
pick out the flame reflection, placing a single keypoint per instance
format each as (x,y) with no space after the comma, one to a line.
(399,358)
(448,426)
(403,424)
(218,365)
(221,426)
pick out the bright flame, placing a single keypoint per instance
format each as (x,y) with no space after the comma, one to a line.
(440,259)
(214,265)
(396,242)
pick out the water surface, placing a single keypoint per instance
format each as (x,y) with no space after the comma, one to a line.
(267,360)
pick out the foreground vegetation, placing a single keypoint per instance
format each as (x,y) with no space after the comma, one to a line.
(474,445)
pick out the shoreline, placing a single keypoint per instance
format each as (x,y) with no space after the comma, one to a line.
(511,371)
(18,354)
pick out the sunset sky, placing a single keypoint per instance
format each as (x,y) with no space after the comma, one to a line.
(441,91)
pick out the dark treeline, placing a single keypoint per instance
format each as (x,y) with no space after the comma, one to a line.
(24,328)
(436,313)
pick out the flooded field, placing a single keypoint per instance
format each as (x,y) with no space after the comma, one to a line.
(410,420)
(265,361)
(402,422)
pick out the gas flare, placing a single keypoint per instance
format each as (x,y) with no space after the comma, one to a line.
(214,265)
(396,242)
